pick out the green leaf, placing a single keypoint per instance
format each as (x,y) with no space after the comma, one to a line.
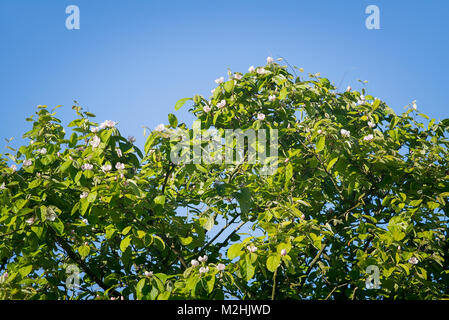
(235,250)
(181,102)
(139,287)
(24,271)
(125,243)
(172,120)
(84,251)
(273,262)
(331,163)
(160,200)
(210,222)
(320,143)
(229,85)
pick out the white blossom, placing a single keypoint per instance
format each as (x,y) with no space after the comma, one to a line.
(43,151)
(148,273)
(119,166)
(320,131)
(107,124)
(27,163)
(106,167)
(202,259)
(251,69)
(283,252)
(204,270)
(207,109)
(345,133)
(95,142)
(219,80)
(413,260)
(270,60)
(271,98)
(368,138)
(237,76)
(30,220)
(94,129)
(51,217)
(371,124)
(221,104)
(195,263)
(87,166)
(414,106)
(85,221)
(221,267)
(119,152)
(2,186)
(160,127)
(251,248)
(131,139)
(260,116)
(261,70)
(84,194)
(13,167)
(348,89)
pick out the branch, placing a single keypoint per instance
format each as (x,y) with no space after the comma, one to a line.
(77,259)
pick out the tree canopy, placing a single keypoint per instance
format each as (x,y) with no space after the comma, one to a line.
(356,188)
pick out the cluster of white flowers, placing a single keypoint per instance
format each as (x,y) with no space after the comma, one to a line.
(270,60)
(238,76)
(42,151)
(260,116)
(219,80)
(119,166)
(251,248)
(94,129)
(271,97)
(221,104)
(87,166)
(345,133)
(251,69)
(371,124)
(368,138)
(107,124)
(203,258)
(95,142)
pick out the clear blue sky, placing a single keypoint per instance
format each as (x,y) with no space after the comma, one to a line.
(132,60)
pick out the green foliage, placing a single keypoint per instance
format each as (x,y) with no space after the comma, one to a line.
(139,226)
